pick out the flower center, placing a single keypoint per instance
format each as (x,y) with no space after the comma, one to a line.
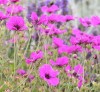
(75,75)
(17,27)
(47,76)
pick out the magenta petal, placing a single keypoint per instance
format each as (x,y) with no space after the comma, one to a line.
(28,61)
(45,69)
(62,61)
(44,9)
(52,62)
(68,69)
(79,69)
(53,81)
(21,72)
(54,73)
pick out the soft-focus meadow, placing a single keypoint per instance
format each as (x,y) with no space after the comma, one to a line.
(49,46)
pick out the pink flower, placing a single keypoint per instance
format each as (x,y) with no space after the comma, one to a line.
(24,73)
(14,9)
(80,81)
(34,56)
(30,77)
(14,1)
(52,18)
(79,37)
(96,40)
(48,74)
(69,49)
(69,18)
(51,30)
(43,19)
(68,70)
(50,9)
(97,47)
(16,23)
(63,49)
(60,18)
(79,69)
(21,72)
(3,1)
(2,16)
(58,42)
(95,20)
(44,8)
(76,72)
(74,49)
(61,61)
(38,21)
(34,18)
(86,22)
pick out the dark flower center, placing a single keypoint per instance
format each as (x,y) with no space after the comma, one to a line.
(17,27)
(75,75)
(47,76)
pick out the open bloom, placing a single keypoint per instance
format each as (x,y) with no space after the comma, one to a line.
(61,61)
(43,19)
(48,74)
(16,23)
(34,56)
(79,37)
(69,49)
(34,18)
(58,42)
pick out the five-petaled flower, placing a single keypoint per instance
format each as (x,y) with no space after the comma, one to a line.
(16,23)
(48,74)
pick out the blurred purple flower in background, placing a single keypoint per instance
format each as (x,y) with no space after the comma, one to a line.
(64,7)
(21,72)
(61,61)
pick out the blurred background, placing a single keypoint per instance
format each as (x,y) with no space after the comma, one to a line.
(78,8)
